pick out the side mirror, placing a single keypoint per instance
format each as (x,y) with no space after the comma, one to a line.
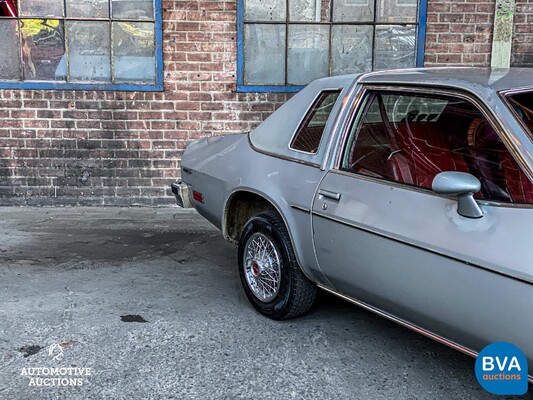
(462,185)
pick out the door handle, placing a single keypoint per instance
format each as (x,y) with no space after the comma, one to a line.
(329,194)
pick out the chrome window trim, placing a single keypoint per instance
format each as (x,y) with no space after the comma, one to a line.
(359,107)
(504,94)
(281,156)
(302,120)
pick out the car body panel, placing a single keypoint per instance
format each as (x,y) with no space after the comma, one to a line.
(410,253)
(402,250)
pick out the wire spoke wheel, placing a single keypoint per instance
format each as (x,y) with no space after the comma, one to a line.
(262,267)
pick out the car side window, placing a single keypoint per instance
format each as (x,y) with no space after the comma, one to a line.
(410,138)
(309,134)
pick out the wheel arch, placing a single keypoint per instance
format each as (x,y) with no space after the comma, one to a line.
(240,206)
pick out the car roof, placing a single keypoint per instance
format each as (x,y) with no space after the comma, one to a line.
(474,79)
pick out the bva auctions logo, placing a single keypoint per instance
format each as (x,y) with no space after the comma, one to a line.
(501,368)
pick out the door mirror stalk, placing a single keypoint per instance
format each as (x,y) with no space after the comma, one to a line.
(462,185)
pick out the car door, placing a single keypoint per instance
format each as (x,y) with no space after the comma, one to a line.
(383,238)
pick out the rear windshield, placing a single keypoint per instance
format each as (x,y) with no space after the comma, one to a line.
(522,105)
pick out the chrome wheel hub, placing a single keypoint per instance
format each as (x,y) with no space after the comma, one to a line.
(262,267)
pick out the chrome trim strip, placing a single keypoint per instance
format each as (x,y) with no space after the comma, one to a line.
(434,251)
(419,189)
(504,97)
(299,208)
(413,327)
(402,322)
(280,156)
(340,121)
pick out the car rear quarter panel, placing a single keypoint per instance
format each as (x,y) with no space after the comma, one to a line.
(223,166)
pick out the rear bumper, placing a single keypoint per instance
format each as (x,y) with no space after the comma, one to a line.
(182,192)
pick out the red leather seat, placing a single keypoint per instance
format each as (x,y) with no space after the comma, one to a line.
(423,152)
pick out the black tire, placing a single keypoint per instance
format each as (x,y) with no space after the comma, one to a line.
(296,293)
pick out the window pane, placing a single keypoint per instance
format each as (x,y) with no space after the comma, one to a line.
(351,50)
(522,105)
(134,51)
(88,8)
(9,55)
(304,10)
(407,138)
(264,55)
(41,8)
(310,132)
(88,47)
(392,11)
(395,47)
(43,49)
(353,10)
(308,53)
(133,9)
(265,10)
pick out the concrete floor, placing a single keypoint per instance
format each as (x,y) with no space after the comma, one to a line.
(74,277)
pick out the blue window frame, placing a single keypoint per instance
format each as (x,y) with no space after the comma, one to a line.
(284,44)
(111,45)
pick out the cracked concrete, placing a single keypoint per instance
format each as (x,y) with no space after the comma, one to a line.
(71,277)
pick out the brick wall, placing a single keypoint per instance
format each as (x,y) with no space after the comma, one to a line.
(120,148)
(87,147)
(459,32)
(522,52)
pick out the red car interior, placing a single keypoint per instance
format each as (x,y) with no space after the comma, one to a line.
(8,8)
(414,150)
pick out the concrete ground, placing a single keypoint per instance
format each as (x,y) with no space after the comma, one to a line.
(150,301)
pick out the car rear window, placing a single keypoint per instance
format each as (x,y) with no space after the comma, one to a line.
(522,105)
(309,134)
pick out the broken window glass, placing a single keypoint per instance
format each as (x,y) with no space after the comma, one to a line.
(395,47)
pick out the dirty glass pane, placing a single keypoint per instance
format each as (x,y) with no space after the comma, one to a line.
(87,8)
(9,55)
(88,47)
(41,8)
(395,11)
(353,10)
(43,49)
(264,54)
(304,10)
(133,9)
(265,10)
(133,51)
(351,49)
(395,47)
(308,53)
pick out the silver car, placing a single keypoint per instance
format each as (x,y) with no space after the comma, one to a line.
(407,192)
